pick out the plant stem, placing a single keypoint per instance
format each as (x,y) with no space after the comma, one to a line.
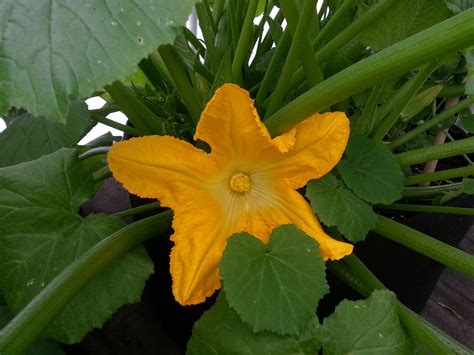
(308,57)
(446,150)
(297,44)
(452,90)
(430,191)
(208,34)
(440,175)
(332,24)
(401,100)
(138,210)
(180,78)
(365,123)
(426,245)
(453,34)
(111,123)
(244,41)
(102,174)
(142,118)
(270,75)
(428,209)
(93,152)
(32,319)
(436,120)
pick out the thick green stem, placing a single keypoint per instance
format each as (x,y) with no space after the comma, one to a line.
(426,245)
(149,207)
(31,321)
(142,118)
(297,44)
(102,174)
(446,150)
(429,209)
(111,123)
(401,100)
(180,78)
(455,33)
(244,41)
(440,175)
(436,120)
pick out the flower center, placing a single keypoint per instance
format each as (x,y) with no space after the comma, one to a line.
(240,183)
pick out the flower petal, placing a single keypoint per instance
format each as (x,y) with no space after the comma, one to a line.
(320,141)
(231,126)
(274,206)
(201,233)
(161,167)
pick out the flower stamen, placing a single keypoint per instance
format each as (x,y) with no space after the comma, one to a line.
(240,183)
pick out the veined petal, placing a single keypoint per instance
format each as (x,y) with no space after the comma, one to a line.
(320,141)
(202,228)
(231,126)
(274,206)
(161,167)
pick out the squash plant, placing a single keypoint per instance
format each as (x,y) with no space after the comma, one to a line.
(343,102)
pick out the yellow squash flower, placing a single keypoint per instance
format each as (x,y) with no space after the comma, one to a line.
(246,183)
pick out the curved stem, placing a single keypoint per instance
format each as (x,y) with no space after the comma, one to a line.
(93,152)
(32,319)
(452,34)
(426,245)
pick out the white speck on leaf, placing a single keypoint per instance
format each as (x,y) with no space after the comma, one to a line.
(114,23)
(140,40)
(30,283)
(139,23)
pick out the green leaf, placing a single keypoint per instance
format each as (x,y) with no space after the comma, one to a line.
(336,206)
(469,85)
(403,20)
(39,347)
(365,327)
(41,233)
(420,101)
(221,331)
(27,138)
(468,186)
(468,122)
(54,51)
(457,6)
(371,171)
(276,286)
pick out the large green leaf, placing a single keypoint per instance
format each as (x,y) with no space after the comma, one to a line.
(28,138)
(371,171)
(52,51)
(41,233)
(220,331)
(40,346)
(365,327)
(336,206)
(404,19)
(276,286)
